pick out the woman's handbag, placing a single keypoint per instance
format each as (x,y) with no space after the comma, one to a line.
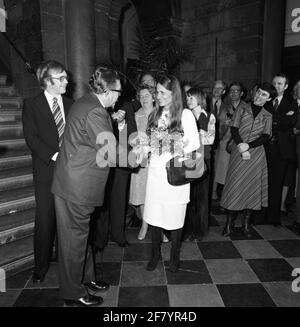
(183,170)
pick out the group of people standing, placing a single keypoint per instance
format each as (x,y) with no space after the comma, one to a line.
(100,152)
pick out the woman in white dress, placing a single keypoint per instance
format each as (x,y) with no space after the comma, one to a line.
(165,204)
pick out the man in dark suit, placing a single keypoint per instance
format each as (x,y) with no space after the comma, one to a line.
(110,220)
(120,181)
(279,150)
(217,107)
(88,150)
(43,124)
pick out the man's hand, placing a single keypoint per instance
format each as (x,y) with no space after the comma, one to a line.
(119,116)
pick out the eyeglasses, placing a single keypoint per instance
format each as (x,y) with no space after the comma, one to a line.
(119,91)
(235,91)
(61,78)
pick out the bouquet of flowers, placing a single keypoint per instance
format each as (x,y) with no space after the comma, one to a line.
(160,141)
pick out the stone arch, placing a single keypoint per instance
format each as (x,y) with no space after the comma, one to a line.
(115,23)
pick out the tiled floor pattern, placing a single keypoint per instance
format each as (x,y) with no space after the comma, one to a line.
(218,271)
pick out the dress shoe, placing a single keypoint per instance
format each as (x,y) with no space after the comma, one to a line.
(123,244)
(37,278)
(97,286)
(86,301)
(153,262)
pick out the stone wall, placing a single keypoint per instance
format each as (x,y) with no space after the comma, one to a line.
(237,26)
(53,30)
(24,29)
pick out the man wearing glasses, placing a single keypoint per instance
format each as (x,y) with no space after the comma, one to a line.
(44,119)
(88,151)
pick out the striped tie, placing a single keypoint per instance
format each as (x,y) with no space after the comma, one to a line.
(58,119)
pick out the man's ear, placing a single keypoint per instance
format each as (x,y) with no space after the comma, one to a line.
(269,99)
(286,86)
(48,81)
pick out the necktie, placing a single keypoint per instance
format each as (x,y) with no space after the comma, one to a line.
(215,109)
(276,103)
(58,119)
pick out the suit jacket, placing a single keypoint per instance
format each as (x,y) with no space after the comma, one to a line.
(220,117)
(78,177)
(282,127)
(41,134)
(123,136)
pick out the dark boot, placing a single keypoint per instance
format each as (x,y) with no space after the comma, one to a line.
(246,223)
(175,250)
(231,216)
(155,252)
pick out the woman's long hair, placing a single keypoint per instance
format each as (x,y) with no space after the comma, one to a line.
(171,83)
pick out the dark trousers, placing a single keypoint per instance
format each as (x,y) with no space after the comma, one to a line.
(110,218)
(75,260)
(196,219)
(118,204)
(277,167)
(45,227)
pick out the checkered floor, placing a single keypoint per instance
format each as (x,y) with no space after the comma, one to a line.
(219,271)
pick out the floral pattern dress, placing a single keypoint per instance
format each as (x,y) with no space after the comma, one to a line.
(165,204)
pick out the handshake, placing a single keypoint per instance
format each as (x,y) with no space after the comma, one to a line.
(243,150)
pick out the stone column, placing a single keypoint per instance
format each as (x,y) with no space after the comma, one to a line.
(80,42)
(273,38)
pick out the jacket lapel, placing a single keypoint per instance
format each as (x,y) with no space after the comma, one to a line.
(44,109)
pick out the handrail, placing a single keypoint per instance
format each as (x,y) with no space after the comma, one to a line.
(28,67)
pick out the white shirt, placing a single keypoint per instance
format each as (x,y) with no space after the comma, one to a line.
(218,102)
(279,100)
(50,97)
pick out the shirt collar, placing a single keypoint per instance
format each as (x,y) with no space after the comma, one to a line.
(279,99)
(216,101)
(199,110)
(50,97)
(102,104)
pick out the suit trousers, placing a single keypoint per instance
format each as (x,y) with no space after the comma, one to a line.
(75,260)
(196,219)
(118,204)
(45,227)
(277,167)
